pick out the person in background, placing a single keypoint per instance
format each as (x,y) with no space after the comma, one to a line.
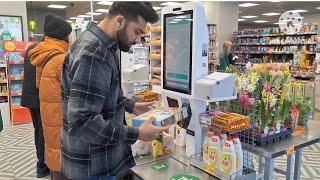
(226,59)
(48,57)
(30,99)
(96,142)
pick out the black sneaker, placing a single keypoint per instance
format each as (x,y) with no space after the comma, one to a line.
(43,171)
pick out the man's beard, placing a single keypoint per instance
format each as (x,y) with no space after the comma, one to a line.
(122,39)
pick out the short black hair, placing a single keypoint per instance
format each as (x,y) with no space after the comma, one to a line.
(131,11)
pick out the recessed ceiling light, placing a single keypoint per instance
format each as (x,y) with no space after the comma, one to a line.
(241,20)
(260,21)
(74,18)
(249,17)
(56,6)
(271,14)
(248,4)
(170,4)
(108,3)
(102,10)
(93,13)
(84,16)
(156,8)
(299,10)
(318,7)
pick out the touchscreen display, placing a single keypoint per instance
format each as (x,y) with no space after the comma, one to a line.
(178,51)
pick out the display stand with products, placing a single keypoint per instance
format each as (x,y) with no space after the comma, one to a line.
(14,54)
(155,57)
(270,45)
(4,87)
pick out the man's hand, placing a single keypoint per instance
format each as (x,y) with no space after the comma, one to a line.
(141,107)
(147,131)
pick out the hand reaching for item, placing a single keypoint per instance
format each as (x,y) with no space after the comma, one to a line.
(148,131)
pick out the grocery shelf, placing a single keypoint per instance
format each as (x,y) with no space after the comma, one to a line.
(266,44)
(270,52)
(275,35)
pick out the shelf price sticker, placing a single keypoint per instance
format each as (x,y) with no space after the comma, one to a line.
(289,150)
(159,166)
(209,169)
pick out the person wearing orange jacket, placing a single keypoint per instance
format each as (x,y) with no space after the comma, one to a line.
(48,57)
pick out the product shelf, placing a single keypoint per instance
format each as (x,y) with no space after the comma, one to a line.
(272,35)
(196,160)
(270,52)
(268,44)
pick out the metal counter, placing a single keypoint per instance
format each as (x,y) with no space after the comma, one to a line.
(177,162)
(268,154)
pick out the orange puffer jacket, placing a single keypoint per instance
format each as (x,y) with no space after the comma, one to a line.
(48,82)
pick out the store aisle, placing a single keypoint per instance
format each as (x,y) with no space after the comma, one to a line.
(18,157)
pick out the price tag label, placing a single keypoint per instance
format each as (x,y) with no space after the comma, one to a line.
(289,150)
(209,169)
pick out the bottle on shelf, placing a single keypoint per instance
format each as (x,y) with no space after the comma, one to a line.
(239,152)
(229,157)
(214,151)
(206,145)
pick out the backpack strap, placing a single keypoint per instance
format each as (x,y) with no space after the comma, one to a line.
(51,56)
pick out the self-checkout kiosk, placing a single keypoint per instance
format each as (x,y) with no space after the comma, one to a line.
(185,67)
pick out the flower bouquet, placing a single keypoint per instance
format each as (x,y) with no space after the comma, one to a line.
(267,89)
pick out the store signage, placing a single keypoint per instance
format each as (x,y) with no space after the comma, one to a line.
(184,177)
(290,22)
(160,166)
(12,46)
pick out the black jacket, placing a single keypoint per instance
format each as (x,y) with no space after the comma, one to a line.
(30,93)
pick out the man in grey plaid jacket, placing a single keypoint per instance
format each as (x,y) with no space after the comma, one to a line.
(95,140)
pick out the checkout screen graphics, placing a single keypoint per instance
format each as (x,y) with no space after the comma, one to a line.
(178,51)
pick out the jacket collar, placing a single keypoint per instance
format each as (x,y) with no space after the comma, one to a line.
(111,43)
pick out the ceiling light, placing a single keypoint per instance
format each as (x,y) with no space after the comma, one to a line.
(279,23)
(298,11)
(241,20)
(248,4)
(271,14)
(260,21)
(249,17)
(93,13)
(170,4)
(74,18)
(102,10)
(108,3)
(84,16)
(275,1)
(318,7)
(56,6)
(156,8)
(69,21)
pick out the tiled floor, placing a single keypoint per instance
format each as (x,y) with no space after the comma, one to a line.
(18,157)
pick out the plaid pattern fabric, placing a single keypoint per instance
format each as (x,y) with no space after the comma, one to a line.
(95,140)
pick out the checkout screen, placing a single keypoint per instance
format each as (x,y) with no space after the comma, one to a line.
(178,51)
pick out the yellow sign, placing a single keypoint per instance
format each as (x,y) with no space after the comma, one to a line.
(10,46)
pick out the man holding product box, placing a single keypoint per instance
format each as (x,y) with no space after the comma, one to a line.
(96,142)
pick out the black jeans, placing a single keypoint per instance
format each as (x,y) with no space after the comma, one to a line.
(38,135)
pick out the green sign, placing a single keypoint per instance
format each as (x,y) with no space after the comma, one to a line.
(6,36)
(184,177)
(32,25)
(159,166)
